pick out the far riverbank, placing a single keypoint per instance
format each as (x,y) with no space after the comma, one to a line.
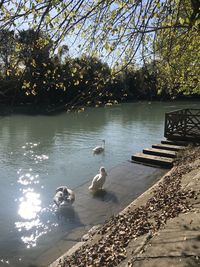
(54,109)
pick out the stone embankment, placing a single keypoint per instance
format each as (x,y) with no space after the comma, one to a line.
(159,228)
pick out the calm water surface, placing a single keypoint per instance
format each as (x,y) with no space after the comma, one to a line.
(40,153)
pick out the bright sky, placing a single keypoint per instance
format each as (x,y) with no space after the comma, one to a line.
(74,43)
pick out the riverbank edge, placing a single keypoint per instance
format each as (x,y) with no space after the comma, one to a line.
(51,110)
(94,235)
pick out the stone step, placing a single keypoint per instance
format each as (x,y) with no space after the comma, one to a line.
(160,152)
(153,160)
(168,147)
(173,142)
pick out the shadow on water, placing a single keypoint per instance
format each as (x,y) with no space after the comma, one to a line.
(68,217)
(106,196)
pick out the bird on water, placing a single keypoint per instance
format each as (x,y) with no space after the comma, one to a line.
(99,149)
(64,196)
(99,180)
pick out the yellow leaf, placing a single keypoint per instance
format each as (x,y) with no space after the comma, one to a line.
(108,104)
(33,92)
(77,82)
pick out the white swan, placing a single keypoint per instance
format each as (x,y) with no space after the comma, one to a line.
(99,180)
(99,149)
(64,197)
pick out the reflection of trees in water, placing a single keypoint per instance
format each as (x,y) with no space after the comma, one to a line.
(45,128)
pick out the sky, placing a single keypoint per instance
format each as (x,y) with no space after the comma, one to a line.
(74,43)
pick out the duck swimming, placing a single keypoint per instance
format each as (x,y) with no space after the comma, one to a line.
(99,149)
(64,197)
(99,180)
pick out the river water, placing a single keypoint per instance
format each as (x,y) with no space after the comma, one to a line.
(40,153)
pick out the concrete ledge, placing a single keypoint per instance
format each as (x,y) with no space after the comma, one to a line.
(68,253)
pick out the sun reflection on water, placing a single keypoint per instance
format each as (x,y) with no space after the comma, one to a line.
(30,210)
(30,204)
(33,229)
(31,224)
(5,261)
(30,153)
(27,179)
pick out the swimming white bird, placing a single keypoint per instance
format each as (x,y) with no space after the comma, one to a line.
(99,180)
(64,197)
(99,149)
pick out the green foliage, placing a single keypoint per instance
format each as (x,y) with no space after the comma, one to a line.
(107,28)
(179,56)
(40,78)
(7,53)
(31,71)
(114,30)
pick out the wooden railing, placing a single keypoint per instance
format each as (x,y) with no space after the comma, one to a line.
(183,124)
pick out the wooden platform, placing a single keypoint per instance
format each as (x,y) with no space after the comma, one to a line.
(168,147)
(183,125)
(151,159)
(181,128)
(160,152)
(176,143)
(162,155)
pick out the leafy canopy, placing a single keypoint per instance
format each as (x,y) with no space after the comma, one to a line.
(105,28)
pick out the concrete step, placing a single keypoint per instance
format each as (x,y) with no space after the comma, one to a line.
(160,152)
(153,160)
(173,142)
(168,147)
